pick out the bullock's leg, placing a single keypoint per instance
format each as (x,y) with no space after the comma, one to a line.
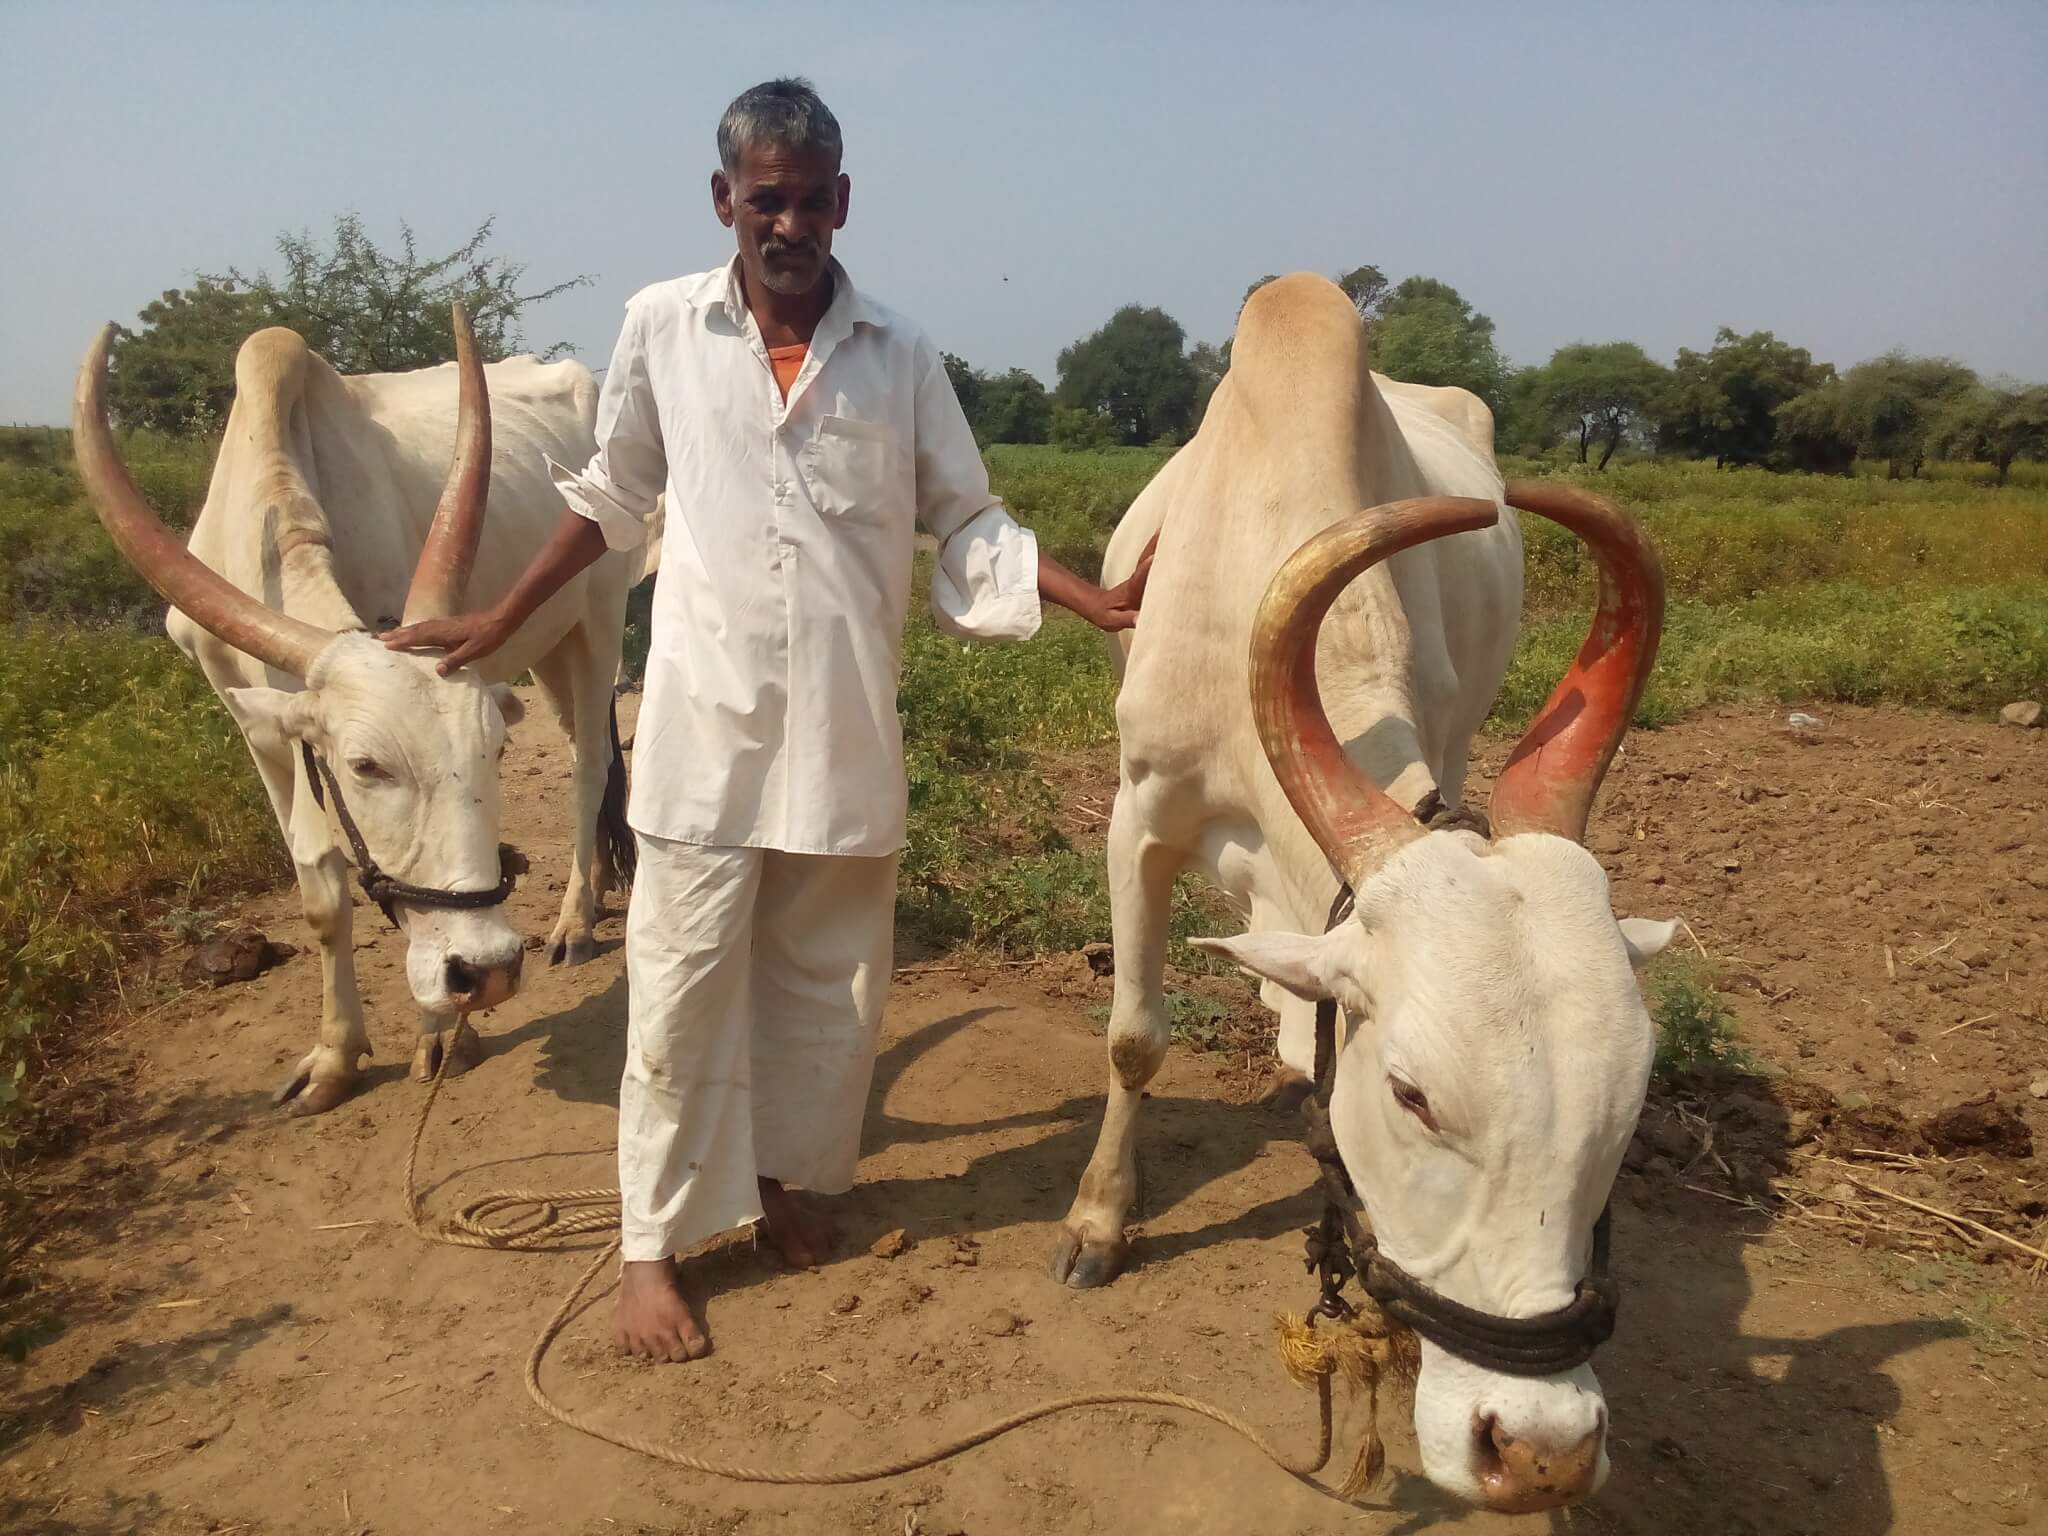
(1091,1247)
(1450,783)
(329,1072)
(457,1043)
(579,689)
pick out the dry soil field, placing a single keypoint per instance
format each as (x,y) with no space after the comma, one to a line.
(256,1343)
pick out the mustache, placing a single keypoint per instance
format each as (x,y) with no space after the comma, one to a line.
(776,248)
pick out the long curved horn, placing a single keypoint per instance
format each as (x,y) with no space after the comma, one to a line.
(442,573)
(202,594)
(1355,822)
(1550,780)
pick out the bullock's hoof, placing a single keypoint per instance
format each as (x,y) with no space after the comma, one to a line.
(567,951)
(461,1046)
(324,1077)
(1287,1089)
(1084,1264)
(303,1096)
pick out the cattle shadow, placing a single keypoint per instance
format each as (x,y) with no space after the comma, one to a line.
(1723,1429)
(127,1173)
(140,1174)
(109,1514)
(1185,1145)
(131,1372)
(1717,1429)
(582,1048)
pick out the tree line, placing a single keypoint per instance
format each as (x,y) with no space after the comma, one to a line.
(1745,399)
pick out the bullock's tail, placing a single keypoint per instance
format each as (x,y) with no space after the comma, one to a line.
(615,844)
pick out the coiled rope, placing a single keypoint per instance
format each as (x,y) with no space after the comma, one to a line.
(535,1220)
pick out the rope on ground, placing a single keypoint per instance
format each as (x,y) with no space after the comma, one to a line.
(534,1220)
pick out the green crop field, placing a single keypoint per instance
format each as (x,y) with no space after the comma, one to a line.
(126,796)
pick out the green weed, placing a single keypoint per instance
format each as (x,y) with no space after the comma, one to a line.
(1695,1026)
(123,784)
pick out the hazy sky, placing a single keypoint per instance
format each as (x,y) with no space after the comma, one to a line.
(1854,177)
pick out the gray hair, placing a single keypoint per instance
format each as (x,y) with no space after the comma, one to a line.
(782,112)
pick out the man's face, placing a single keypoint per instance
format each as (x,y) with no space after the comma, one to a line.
(783,204)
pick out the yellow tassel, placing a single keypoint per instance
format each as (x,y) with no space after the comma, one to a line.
(1364,1352)
(1371,1459)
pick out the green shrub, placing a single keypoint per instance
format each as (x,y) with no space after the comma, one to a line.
(55,560)
(123,783)
(1695,1026)
(1726,536)
(1073,427)
(1961,649)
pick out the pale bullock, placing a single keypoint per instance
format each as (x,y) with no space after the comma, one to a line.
(338,507)
(1494,1047)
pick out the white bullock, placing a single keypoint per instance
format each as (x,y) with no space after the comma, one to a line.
(1494,1047)
(326,521)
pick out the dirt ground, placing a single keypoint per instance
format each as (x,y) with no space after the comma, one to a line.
(255,1342)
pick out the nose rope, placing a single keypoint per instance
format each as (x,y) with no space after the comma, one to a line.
(1341,1245)
(385,890)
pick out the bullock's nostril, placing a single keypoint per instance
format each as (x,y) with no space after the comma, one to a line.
(1520,1476)
(1488,1441)
(464,980)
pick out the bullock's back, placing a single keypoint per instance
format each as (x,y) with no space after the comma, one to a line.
(1299,434)
(343,474)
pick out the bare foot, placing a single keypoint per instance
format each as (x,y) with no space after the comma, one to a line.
(653,1320)
(803,1237)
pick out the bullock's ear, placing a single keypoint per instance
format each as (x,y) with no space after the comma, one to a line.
(1295,961)
(272,718)
(509,704)
(1646,939)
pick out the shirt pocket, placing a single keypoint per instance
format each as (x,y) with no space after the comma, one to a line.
(854,467)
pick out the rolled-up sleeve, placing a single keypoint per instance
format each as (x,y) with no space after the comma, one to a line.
(985,577)
(622,484)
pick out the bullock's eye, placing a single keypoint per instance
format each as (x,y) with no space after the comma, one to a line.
(367,768)
(1414,1100)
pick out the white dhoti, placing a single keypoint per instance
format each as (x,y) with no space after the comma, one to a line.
(756,981)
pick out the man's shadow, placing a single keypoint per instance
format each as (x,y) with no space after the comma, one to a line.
(1720,1429)
(1186,1143)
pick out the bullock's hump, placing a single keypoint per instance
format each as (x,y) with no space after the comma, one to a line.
(1300,346)
(1288,308)
(272,359)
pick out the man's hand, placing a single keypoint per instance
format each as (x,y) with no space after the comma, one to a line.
(575,544)
(1120,603)
(1109,609)
(466,637)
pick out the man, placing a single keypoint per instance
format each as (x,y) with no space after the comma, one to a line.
(802,433)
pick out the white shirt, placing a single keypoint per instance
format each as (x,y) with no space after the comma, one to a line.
(769,714)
